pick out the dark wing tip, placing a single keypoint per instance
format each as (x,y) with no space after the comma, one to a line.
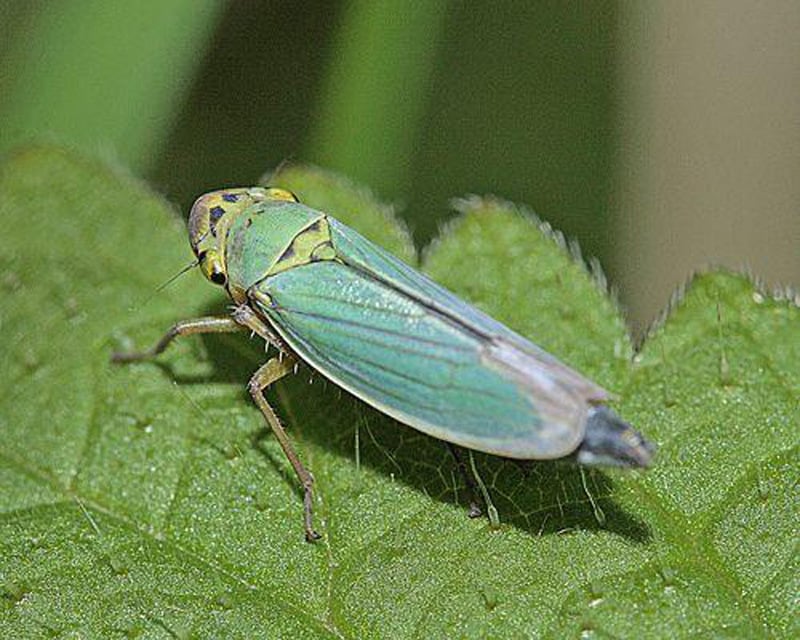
(610,441)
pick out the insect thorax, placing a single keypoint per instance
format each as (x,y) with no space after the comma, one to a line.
(272,237)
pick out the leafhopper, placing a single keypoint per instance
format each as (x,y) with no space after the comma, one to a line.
(324,295)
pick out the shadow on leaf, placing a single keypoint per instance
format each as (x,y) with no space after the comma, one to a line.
(539,497)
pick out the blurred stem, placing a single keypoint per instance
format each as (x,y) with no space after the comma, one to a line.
(376,91)
(102,74)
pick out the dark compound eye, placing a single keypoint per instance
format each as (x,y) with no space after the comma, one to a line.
(218,277)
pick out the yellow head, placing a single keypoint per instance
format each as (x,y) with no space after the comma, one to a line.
(211,217)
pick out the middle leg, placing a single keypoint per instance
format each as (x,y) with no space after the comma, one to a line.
(274,370)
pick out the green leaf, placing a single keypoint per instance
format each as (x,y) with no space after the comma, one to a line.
(149,500)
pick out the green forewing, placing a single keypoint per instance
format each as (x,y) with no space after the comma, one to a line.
(372,259)
(412,349)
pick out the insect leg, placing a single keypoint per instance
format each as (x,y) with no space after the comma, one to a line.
(185,328)
(474,507)
(268,373)
(246,317)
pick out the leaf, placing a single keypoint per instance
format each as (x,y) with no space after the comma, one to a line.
(149,500)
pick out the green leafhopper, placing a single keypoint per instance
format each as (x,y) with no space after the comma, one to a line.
(324,295)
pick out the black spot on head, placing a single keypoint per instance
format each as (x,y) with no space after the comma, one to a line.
(230,197)
(218,277)
(216,214)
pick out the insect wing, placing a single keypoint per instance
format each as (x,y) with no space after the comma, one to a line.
(507,347)
(412,349)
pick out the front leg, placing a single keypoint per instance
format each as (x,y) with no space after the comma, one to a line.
(185,328)
(274,370)
(248,318)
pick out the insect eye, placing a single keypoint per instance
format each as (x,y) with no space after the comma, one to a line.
(218,278)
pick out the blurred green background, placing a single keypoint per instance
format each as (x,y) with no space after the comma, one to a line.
(662,136)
